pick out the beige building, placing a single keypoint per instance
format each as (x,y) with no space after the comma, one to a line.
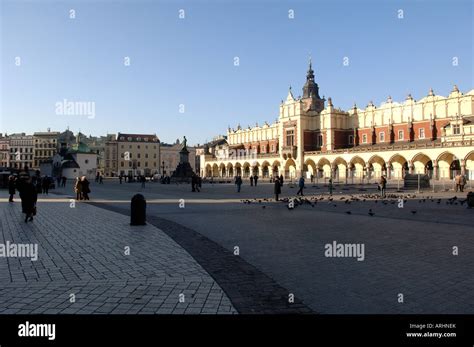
(132,155)
(433,135)
(4,151)
(21,151)
(170,157)
(46,146)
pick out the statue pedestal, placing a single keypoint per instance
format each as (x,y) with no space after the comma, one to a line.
(184,172)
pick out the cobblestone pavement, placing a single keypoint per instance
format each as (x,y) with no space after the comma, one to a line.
(408,250)
(82,252)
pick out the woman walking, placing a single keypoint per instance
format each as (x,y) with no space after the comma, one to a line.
(78,189)
(28,196)
(11,187)
(277,188)
(85,188)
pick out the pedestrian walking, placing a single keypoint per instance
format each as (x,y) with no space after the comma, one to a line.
(382,186)
(85,188)
(277,188)
(64,179)
(457,182)
(238,182)
(301,186)
(120,179)
(29,196)
(45,184)
(101,179)
(194,183)
(462,182)
(330,186)
(251,181)
(78,188)
(143,181)
(11,187)
(255,179)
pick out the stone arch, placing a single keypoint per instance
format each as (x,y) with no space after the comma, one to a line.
(290,168)
(246,169)
(324,167)
(222,170)
(340,168)
(357,167)
(422,164)
(215,170)
(230,170)
(376,165)
(276,168)
(265,169)
(469,165)
(208,172)
(310,168)
(238,169)
(448,165)
(399,166)
(255,168)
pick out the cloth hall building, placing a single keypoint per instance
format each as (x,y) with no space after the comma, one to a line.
(434,136)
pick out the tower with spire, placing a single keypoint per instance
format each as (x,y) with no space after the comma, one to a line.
(311,91)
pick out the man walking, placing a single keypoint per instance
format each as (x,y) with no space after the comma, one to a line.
(382,186)
(277,188)
(301,186)
(255,179)
(238,182)
(11,187)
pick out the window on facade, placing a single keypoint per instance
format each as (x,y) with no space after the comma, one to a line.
(290,137)
(351,139)
(138,155)
(319,140)
(400,134)
(421,133)
(364,138)
(456,129)
(382,136)
(121,164)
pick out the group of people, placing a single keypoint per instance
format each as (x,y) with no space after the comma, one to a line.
(460,181)
(196,183)
(82,188)
(61,181)
(28,194)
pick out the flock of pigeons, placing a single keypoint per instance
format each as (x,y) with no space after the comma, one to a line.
(389,199)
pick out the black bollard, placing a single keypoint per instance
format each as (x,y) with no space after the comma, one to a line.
(138,210)
(470,199)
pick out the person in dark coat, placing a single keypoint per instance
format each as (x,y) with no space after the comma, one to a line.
(64,179)
(195,183)
(28,196)
(78,188)
(277,188)
(85,188)
(45,185)
(11,187)
(255,179)
(238,182)
(301,186)
(251,181)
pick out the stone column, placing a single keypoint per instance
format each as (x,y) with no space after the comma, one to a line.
(435,169)
(389,171)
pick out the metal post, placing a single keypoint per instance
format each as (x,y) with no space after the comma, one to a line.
(419,183)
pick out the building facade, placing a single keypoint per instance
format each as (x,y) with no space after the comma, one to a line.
(132,155)
(170,157)
(46,146)
(4,151)
(22,150)
(434,135)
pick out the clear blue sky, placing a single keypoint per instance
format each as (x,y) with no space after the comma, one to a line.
(190,61)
